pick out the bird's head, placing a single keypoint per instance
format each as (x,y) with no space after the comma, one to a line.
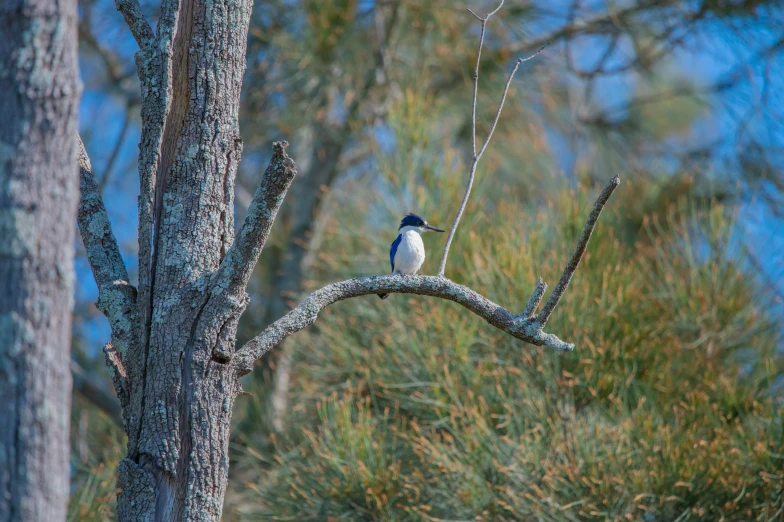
(417,223)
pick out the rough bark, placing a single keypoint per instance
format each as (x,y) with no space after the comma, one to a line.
(191,148)
(176,369)
(116,295)
(39,94)
(175,394)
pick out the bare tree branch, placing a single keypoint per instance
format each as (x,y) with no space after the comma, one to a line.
(525,326)
(237,266)
(476,156)
(306,313)
(116,295)
(503,98)
(535,299)
(137,23)
(582,244)
(442,265)
(476,80)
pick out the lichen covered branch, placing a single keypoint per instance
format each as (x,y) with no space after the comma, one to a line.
(116,295)
(535,299)
(137,23)
(524,328)
(237,266)
(453,230)
(582,244)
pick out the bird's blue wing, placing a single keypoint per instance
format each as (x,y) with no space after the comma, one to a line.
(393,251)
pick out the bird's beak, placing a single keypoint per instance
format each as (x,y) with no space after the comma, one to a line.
(434,229)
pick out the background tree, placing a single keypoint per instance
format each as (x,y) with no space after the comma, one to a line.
(647,119)
(365,57)
(176,368)
(39,95)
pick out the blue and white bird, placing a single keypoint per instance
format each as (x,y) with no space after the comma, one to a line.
(407,252)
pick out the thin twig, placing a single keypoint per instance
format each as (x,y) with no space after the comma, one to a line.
(476,89)
(535,299)
(476,71)
(503,97)
(582,245)
(474,156)
(495,11)
(491,13)
(475,15)
(442,265)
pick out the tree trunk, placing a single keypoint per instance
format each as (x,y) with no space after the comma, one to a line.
(39,94)
(171,342)
(172,351)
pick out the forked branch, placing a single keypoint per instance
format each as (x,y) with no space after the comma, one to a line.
(237,266)
(524,326)
(475,156)
(306,313)
(116,295)
(137,23)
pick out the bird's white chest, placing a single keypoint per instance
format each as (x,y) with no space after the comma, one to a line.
(410,253)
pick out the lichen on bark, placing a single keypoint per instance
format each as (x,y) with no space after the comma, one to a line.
(39,94)
(176,367)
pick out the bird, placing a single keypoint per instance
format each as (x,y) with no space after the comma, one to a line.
(407,252)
